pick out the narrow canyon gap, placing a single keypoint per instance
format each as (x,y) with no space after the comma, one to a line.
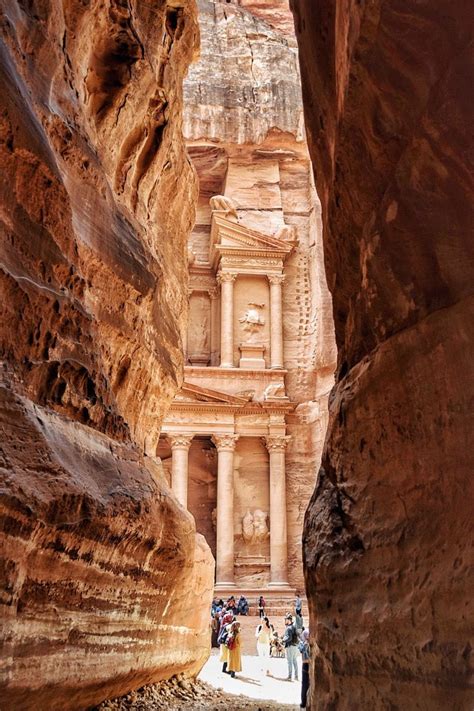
(387,90)
(100,566)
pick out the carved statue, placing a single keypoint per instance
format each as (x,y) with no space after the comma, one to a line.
(252,319)
(247,527)
(222,203)
(274,390)
(202,334)
(285,233)
(254,526)
(260,525)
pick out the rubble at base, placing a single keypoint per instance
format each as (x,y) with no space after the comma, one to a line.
(182,693)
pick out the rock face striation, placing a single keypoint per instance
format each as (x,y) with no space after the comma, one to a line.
(389,529)
(100,566)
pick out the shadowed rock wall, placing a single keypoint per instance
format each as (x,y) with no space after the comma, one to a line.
(388,534)
(97,196)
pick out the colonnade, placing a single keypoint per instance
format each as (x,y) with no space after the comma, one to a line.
(225,445)
(226,280)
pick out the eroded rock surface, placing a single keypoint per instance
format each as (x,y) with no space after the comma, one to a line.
(389,528)
(97,196)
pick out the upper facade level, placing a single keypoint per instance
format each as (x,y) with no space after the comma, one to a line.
(235,316)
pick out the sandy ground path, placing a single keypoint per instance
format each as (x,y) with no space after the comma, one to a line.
(251,690)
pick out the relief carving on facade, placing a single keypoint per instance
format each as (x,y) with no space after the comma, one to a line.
(222,203)
(274,391)
(254,526)
(252,321)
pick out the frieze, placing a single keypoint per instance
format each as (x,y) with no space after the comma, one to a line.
(264,262)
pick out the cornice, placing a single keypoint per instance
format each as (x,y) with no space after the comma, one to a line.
(258,408)
(238,373)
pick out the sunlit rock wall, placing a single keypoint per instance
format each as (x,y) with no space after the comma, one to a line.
(387,92)
(244,127)
(97,195)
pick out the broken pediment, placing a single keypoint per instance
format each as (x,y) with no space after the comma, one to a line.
(195,393)
(230,237)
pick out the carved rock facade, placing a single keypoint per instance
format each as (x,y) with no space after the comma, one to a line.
(260,341)
(389,529)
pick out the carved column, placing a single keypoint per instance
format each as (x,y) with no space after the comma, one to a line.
(276,321)
(226,280)
(276,446)
(214,297)
(225,445)
(179,466)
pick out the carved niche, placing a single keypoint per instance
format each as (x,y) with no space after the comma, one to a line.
(199,330)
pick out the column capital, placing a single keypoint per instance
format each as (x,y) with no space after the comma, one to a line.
(226,276)
(225,442)
(213,292)
(276,278)
(180,441)
(276,443)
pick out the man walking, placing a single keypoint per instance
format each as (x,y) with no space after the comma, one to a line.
(290,641)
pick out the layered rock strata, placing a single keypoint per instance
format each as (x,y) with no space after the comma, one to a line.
(244,128)
(389,529)
(100,565)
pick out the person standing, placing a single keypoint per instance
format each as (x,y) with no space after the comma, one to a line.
(290,642)
(305,655)
(298,604)
(226,622)
(263,634)
(234,655)
(261,606)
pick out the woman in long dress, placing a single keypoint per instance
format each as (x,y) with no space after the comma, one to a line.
(263,634)
(234,656)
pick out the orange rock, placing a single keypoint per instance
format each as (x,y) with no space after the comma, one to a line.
(388,565)
(100,566)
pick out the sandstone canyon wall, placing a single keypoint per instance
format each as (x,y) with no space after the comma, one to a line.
(244,127)
(387,89)
(98,560)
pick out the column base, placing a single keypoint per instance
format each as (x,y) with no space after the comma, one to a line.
(225,586)
(226,365)
(276,367)
(280,586)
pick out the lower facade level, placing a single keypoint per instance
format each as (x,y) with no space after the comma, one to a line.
(225,459)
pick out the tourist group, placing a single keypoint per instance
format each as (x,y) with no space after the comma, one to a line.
(226,635)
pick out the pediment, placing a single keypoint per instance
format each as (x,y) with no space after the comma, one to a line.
(190,393)
(230,235)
